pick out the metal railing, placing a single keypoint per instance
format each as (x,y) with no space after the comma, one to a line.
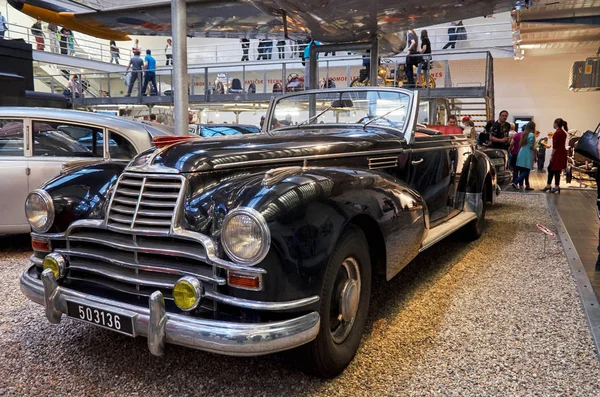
(479,36)
(461,71)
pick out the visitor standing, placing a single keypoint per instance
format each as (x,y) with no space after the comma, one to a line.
(281,48)
(261,50)
(36,31)
(469,128)
(497,131)
(245,47)
(3,26)
(525,157)
(451,36)
(513,153)
(558,159)
(149,74)
(542,146)
(65,33)
(137,65)
(412,59)
(306,61)
(71,44)
(269,48)
(52,32)
(169,52)
(136,47)
(425,57)
(114,52)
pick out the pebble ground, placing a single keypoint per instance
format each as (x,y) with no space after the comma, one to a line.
(492,317)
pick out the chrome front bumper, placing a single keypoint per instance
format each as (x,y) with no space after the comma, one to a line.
(236,339)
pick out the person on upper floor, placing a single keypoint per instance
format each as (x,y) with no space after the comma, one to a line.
(497,131)
(245,47)
(114,52)
(558,161)
(169,52)
(425,57)
(65,33)
(36,31)
(136,47)
(451,36)
(412,58)
(149,74)
(136,64)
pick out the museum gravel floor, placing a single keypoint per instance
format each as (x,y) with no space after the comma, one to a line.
(497,316)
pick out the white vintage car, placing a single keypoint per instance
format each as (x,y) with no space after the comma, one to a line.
(37,144)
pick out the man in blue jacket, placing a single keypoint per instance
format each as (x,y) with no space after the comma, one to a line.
(150,73)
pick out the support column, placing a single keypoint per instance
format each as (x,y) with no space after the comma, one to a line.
(180,72)
(374,57)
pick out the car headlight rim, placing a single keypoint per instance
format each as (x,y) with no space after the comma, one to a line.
(47,199)
(265,233)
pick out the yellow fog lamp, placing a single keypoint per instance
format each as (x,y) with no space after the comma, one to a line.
(187,293)
(57,263)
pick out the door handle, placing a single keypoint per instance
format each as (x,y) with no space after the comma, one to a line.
(415,162)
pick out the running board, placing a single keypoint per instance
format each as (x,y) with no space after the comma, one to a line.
(447,228)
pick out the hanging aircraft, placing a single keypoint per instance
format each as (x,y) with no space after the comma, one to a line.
(325,20)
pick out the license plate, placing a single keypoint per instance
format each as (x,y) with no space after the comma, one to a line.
(103,318)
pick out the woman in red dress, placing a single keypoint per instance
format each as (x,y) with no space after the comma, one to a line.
(558,162)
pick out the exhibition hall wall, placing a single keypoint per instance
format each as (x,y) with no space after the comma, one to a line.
(538,86)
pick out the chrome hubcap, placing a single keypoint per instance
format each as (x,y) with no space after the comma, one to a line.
(345,300)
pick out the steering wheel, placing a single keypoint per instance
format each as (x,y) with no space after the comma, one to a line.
(388,121)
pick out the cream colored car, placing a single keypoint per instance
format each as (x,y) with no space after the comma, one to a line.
(36,144)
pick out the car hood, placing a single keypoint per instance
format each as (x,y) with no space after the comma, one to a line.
(198,155)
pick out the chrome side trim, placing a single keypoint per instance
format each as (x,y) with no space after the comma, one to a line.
(229,338)
(438,233)
(383,162)
(36,261)
(259,305)
(303,158)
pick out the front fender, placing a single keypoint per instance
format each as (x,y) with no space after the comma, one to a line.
(307,210)
(82,193)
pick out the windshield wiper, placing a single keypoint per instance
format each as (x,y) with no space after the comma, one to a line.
(315,117)
(382,116)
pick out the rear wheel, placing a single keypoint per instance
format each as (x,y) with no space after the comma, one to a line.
(344,307)
(473,230)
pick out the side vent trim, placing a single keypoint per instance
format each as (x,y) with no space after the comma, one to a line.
(383,162)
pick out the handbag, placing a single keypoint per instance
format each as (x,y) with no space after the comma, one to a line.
(588,146)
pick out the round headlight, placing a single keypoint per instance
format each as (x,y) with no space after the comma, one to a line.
(187,293)
(39,209)
(245,236)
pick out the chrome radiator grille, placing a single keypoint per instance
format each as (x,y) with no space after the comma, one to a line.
(136,264)
(135,253)
(143,202)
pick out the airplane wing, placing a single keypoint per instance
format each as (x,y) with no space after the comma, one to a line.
(324,20)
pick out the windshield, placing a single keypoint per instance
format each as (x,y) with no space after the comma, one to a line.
(208,131)
(367,107)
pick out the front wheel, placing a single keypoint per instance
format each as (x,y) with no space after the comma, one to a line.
(344,307)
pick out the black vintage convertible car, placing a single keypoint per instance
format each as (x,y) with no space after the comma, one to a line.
(258,243)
